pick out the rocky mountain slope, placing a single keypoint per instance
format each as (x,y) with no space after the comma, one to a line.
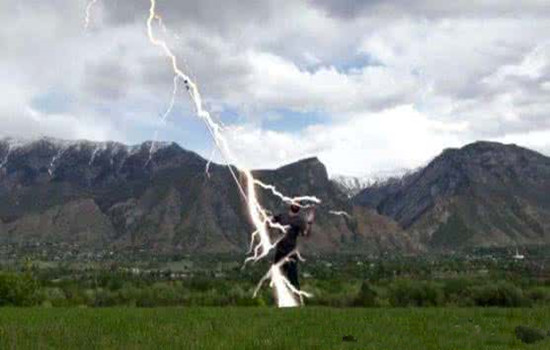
(159,198)
(484,194)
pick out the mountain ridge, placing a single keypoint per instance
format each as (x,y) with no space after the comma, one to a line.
(158,198)
(162,201)
(486,193)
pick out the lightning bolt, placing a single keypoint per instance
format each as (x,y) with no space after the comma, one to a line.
(286,293)
(6,157)
(164,115)
(294,200)
(172,100)
(207,168)
(261,243)
(339,213)
(88,14)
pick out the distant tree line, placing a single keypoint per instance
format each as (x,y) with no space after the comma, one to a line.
(115,288)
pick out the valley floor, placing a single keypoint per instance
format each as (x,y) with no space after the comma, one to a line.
(267,328)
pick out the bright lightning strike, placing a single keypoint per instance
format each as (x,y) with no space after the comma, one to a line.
(286,294)
(289,200)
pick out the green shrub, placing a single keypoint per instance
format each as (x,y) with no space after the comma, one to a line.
(415,293)
(457,292)
(539,295)
(104,297)
(18,290)
(366,296)
(529,335)
(54,296)
(498,294)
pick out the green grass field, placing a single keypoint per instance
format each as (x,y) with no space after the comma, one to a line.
(266,328)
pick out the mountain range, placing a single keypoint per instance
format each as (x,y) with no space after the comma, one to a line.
(158,197)
(483,194)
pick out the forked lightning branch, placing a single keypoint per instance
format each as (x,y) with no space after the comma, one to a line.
(261,242)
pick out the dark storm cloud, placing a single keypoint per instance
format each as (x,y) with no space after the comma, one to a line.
(443,69)
(209,14)
(107,80)
(432,8)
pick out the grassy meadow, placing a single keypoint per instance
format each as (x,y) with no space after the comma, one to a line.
(268,328)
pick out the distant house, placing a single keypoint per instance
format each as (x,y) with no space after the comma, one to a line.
(518,256)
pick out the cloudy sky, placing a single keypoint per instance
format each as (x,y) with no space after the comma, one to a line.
(369,86)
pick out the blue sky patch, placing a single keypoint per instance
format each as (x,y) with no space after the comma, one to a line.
(357,62)
(287,120)
(53,102)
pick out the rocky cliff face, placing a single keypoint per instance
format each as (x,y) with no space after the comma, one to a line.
(159,198)
(485,194)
